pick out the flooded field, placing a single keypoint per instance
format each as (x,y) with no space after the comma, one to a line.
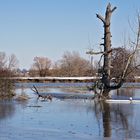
(70,119)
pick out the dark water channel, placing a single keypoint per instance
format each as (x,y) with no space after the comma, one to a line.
(69,119)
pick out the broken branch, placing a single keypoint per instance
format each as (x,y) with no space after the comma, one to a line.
(101,18)
(113,9)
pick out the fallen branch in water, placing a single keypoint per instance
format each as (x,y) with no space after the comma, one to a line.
(48,97)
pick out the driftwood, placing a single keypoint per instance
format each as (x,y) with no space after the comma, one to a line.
(45,97)
(63,95)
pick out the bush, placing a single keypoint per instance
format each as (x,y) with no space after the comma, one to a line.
(6,84)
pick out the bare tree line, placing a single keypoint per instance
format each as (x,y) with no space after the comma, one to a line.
(71,64)
(8,64)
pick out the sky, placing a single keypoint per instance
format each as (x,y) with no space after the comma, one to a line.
(48,28)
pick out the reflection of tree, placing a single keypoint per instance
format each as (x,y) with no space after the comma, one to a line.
(7,109)
(106,120)
(115,117)
(125,92)
(121,113)
(102,109)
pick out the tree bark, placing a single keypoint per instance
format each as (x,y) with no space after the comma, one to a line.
(107,48)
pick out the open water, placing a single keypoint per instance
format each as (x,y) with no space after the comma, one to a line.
(69,118)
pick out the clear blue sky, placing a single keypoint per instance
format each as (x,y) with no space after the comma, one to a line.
(30,28)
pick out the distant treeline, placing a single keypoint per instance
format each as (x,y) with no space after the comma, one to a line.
(70,65)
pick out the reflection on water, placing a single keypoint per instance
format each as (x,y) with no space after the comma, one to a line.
(116,119)
(106,120)
(125,92)
(7,109)
(121,120)
(70,119)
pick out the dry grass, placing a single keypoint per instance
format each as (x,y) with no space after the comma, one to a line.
(22,97)
(73,89)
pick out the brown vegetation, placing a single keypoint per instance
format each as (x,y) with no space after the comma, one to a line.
(7,69)
(71,64)
(40,66)
(119,58)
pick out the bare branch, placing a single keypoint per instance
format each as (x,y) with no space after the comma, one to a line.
(113,9)
(127,66)
(101,52)
(94,53)
(102,44)
(134,52)
(101,18)
(99,63)
(136,67)
(35,89)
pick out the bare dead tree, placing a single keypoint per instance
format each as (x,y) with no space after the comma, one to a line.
(104,85)
(107,48)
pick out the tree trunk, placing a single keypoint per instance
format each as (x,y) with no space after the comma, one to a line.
(107,49)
